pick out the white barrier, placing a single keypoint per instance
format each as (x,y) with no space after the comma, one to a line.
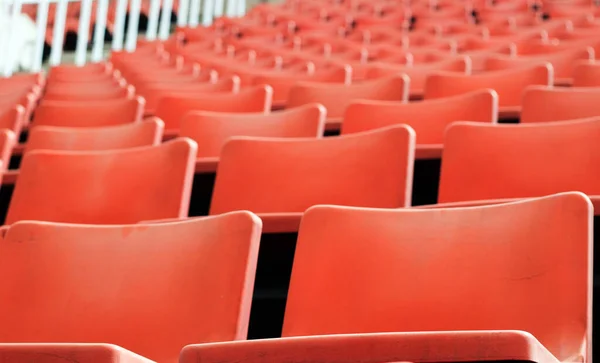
(22,38)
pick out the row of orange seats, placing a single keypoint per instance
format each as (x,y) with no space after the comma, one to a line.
(487,274)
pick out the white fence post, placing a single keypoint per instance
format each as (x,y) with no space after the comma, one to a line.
(58,34)
(152,30)
(182,12)
(165,21)
(132,28)
(11,40)
(207,12)
(194,13)
(99,30)
(40,36)
(85,16)
(119,30)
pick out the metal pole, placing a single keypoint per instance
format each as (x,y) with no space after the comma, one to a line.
(182,12)
(152,30)
(132,28)
(99,30)
(84,28)
(40,36)
(119,30)
(194,13)
(165,21)
(207,12)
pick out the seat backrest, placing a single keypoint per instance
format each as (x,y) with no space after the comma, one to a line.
(12,117)
(484,161)
(542,104)
(171,109)
(509,84)
(89,113)
(290,175)
(562,61)
(212,129)
(429,118)
(418,73)
(516,266)
(150,288)
(586,74)
(8,140)
(145,133)
(336,97)
(105,187)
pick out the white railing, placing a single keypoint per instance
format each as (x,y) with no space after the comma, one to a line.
(13,39)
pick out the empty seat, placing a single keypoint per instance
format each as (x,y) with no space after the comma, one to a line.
(483,162)
(429,118)
(281,178)
(211,130)
(543,104)
(336,97)
(172,108)
(146,133)
(8,140)
(105,187)
(89,113)
(151,289)
(74,352)
(12,118)
(586,74)
(509,84)
(523,266)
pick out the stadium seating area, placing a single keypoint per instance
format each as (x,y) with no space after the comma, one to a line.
(366,181)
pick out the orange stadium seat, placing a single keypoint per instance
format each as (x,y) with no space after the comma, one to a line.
(586,74)
(79,352)
(541,104)
(449,295)
(105,187)
(282,177)
(201,273)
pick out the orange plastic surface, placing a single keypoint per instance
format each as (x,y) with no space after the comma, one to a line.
(543,104)
(376,348)
(483,161)
(88,113)
(146,133)
(284,177)
(586,74)
(105,187)
(211,130)
(8,140)
(517,266)
(171,109)
(59,353)
(429,118)
(149,288)
(12,118)
(509,84)
(336,97)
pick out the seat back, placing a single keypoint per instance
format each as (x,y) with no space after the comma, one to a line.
(8,140)
(12,117)
(146,133)
(509,84)
(516,266)
(336,97)
(428,118)
(484,161)
(212,129)
(89,113)
(282,175)
(105,187)
(543,104)
(150,288)
(586,74)
(171,109)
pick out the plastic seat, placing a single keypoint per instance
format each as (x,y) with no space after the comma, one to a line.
(586,74)
(8,140)
(562,62)
(418,74)
(12,118)
(105,187)
(488,162)
(541,104)
(336,97)
(509,84)
(89,113)
(149,288)
(282,177)
(211,130)
(92,91)
(172,108)
(429,274)
(74,352)
(429,118)
(126,136)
